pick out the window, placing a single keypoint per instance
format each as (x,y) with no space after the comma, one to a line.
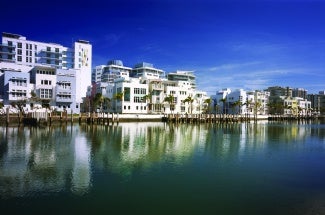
(137,99)
(56,49)
(27,59)
(19,58)
(48,49)
(46,93)
(19,51)
(19,45)
(9,43)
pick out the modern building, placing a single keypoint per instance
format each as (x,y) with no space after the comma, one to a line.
(317,102)
(147,71)
(14,86)
(299,92)
(18,50)
(187,76)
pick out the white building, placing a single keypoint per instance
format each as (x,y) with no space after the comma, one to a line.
(179,75)
(132,97)
(147,71)
(16,49)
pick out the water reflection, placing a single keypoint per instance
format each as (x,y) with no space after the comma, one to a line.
(34,161)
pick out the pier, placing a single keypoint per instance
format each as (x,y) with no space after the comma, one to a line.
(49,118)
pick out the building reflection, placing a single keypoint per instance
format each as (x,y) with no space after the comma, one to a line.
(43,160)
(55,159)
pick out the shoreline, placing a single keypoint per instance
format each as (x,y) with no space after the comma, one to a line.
(14,120)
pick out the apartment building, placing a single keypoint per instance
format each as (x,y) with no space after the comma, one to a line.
(147,71)
(16,49)
(108,73)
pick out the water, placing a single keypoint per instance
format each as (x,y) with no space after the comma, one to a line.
(157,168)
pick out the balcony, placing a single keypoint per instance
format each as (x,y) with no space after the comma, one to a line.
(7,45)
(51,52)
(8,52)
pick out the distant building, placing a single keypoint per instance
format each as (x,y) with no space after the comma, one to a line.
(299,92)
(317,102)
(146,71)
(187,76)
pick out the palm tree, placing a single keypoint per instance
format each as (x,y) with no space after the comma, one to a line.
(257,106)
(238,104)
(223,100)
(189,100)
(118,97)
(146,98)
(170,100)
(98,101)
(208,102)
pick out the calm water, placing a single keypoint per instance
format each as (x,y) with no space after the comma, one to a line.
(157,168)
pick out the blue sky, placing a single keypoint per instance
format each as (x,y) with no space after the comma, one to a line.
(236,44)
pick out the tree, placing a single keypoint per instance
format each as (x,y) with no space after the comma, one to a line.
(100,100)
(189,100)
(19,105)
(170,100)
(207,102)
(118,97)
(224,100)
(238,104)
(146,98)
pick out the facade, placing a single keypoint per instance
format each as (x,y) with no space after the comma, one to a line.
(299,92)
(317,102)
(128,95)
(108,73)
(147,71)
(187,76)
(219,101)
(14,86)
(18,50)
(66,91)
(96,75)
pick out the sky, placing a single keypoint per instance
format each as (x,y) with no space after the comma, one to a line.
(232,44)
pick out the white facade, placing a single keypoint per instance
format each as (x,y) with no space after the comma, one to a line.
(133,99)
(16,49)
(147,71)
(66,91)
(181,75)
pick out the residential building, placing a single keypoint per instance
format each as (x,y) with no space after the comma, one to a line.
(147,71)
(219,101)
(14,86)
(128,95)
(317,102)
(299,92)
(96,75)
(17,49)
(66,91)
(187,76)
